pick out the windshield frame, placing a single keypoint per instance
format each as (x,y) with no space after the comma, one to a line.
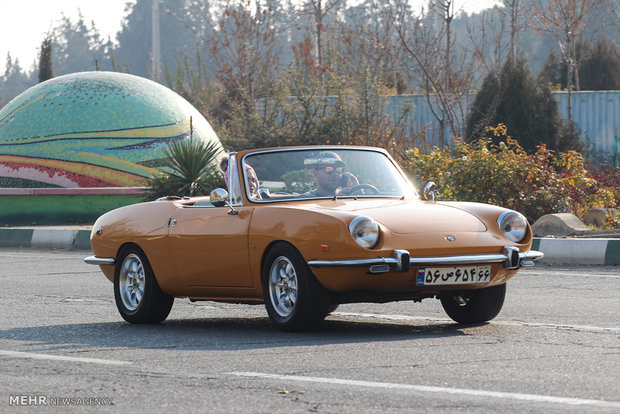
(411,194)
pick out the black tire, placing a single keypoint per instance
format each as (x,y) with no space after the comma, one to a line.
(138,296)
(294,299)
(475,306)
(332,308)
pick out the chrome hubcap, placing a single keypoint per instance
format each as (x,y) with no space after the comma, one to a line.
(131,282)
(283,286)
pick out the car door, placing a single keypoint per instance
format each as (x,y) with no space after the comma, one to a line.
(210,247)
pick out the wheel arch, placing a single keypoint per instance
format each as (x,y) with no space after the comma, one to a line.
(129,244)
(266,251)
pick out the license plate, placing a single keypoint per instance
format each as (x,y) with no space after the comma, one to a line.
(460,275)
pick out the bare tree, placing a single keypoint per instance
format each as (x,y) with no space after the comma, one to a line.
(487,39)
(319,9)
(243,49)
(512,9)
(446,79)
(565,21)
(369,46)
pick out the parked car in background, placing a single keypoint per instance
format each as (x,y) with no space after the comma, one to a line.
(304,229)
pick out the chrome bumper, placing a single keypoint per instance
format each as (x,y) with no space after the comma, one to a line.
(402,261)
(94,260)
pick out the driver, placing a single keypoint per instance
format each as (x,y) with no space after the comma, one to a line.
(328,172)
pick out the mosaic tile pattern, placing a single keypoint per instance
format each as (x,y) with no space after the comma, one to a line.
(93,129)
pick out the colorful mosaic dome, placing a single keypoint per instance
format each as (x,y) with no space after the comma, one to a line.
(92,129)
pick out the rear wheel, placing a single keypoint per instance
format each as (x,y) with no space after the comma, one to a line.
(138,296)
(294,299)
(475,306)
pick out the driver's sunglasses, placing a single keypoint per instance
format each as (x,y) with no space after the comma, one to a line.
(330,170)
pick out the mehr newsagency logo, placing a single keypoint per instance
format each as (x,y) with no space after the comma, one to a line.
(32,400)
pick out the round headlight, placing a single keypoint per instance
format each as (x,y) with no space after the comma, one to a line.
(513,225)
(365,231)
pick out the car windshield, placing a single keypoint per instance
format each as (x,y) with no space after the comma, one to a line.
(278,175)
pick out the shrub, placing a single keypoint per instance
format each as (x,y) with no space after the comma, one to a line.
(608,181)
(190,170)
(505,174)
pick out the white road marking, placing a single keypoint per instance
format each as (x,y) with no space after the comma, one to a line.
(587,328)
(432,389)
(599,329)
(30,355)
(546,273)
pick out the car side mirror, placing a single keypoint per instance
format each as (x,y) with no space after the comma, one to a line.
(219,198)
(430,191)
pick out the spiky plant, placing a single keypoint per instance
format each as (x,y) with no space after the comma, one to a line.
(190,169)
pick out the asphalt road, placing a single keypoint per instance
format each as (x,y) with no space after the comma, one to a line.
(554,348)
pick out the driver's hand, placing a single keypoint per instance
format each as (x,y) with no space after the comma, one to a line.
(348,180)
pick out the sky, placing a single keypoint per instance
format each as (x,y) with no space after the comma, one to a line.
(24,23)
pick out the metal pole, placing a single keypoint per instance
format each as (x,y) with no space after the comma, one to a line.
(155,33)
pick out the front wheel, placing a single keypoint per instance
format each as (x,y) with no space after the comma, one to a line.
(475,306)
(294,299)
(138,296)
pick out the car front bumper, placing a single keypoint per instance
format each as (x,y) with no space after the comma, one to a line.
(94,260)
(402,260)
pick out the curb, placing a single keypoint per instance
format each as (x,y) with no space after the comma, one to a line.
(50,238)
(578,251)
(557,251)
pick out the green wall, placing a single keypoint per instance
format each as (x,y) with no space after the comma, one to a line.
(52,209)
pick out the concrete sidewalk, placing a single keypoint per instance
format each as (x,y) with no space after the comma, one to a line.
(586,251)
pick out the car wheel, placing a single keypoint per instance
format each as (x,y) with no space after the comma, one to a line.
(294,299)
(332,308)
(138,296)
(475,306)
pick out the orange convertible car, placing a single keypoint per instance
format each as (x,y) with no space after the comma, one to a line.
(305,229)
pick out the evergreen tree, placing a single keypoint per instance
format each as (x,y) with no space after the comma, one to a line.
(184,26)
(551,72)
(598,67)
(14,81)
(599,71)
(525,106)
(46,64)
(78,48)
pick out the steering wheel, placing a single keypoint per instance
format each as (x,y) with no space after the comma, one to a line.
(362,187)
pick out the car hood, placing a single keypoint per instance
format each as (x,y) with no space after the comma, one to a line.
(404,216)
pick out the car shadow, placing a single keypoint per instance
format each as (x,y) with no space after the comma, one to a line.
(222,334)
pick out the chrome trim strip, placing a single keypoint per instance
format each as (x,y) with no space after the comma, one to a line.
(429,261)
(459,260)
(353,262)
(94,260)
(531,255)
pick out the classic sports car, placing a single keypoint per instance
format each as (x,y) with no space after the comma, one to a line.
(305,229)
